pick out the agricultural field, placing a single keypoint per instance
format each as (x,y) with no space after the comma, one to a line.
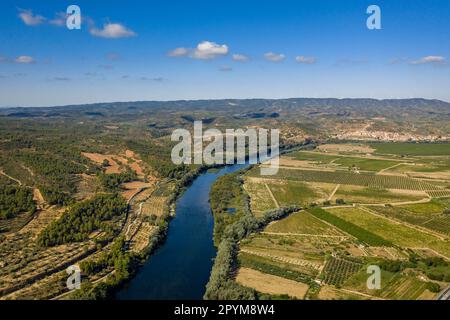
(412,149)
(358,194)
(260,198)
(349,178)
(303,223)
(363,204)
(427,215)
(271,284)
(338,270)
(289,193)
(396,233)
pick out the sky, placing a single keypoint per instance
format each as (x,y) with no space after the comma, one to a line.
(172,50)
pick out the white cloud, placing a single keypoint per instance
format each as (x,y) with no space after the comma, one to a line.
(209,50)
(274,57)
(429,59)
(59,20)
(112,31)
(29,18)
(307,60)
(240,57)
(24,59)
(178,52)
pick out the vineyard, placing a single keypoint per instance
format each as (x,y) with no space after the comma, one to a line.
(338,270)
(154,205)
(401,288)
(439,224)
(360,233)
(434,221)
(367,180)
(439,193)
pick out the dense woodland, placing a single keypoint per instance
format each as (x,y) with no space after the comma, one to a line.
(15,200)
(78,222)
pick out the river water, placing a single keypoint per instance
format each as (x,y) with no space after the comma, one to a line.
(180,267)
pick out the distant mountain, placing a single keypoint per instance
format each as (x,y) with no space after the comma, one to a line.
(244,109)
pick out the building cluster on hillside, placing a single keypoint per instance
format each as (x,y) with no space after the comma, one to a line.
(388,136)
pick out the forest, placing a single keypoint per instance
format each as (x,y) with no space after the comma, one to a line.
(15,200)
(78,222)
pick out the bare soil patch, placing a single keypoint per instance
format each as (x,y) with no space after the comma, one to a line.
(346,148)
(270,284)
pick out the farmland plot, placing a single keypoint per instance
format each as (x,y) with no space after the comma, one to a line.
(337,270)
(267,283)
(397,233)
(341,177)
(260,198)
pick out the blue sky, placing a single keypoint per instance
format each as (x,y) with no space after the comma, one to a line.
(125,50)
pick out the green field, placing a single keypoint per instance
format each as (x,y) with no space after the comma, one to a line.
(412,149)
(293,193)
(365,164)
(350,227)
(340,177)
(394,286)
(338,270)
(357,194)
(312,156)
(304,223)
(429,215)
(396,233)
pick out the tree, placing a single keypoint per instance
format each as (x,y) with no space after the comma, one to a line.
(105,163)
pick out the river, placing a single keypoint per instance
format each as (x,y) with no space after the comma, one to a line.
(180,267)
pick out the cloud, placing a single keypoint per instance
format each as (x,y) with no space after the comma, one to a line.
(178,52)
(112,56)
(24,59)
(90,74)
(29,18)
(60,79)
(226,69)
(307,60)
(209,50)
(240,57)
(125,76)
(429,60)
(274,57)
(106,66)
(59,20)
(3,59)
(157,79)
(112,31)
